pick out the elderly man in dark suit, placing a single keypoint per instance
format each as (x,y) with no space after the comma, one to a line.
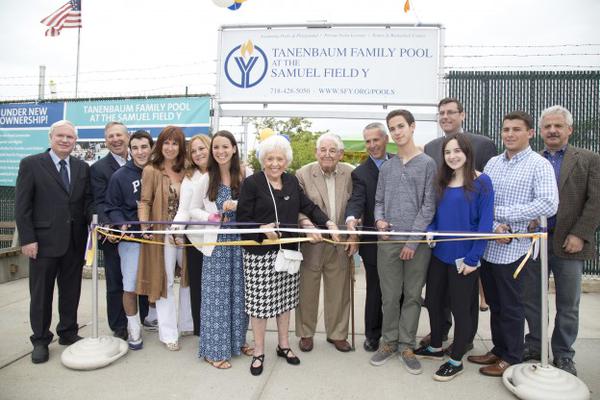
(451,115)
(571,238)
(360,207)
(53,208)
(117,140)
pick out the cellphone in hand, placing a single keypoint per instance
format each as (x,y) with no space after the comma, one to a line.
(458,263)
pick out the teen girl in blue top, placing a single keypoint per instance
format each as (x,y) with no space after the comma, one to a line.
(465,204)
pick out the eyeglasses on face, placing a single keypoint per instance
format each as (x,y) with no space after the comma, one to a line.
(448,113)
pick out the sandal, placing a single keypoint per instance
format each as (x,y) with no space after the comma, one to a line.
(285,353)
(220,364)
(172,346)
(247,350)
(259,369)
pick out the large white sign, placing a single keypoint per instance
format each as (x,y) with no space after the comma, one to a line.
(365,65)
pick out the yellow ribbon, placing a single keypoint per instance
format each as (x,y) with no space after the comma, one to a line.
(270,242)
(527,255)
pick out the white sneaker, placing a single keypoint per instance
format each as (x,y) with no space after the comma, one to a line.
(135,343)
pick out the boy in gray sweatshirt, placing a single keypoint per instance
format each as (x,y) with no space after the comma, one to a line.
(404,201)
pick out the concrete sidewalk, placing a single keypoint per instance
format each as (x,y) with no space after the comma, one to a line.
(155,373)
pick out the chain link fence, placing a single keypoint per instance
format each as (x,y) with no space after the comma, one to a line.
(488,96)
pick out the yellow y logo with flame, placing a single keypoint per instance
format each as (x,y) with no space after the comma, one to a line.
(247,48)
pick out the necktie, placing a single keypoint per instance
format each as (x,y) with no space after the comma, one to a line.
(64,174)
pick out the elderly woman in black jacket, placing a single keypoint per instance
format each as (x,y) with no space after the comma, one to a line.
(270,293)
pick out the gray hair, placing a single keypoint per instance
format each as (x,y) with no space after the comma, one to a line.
(331,136)
(557,110)
(62,122)
(116,123)
(275,143)
(376,125)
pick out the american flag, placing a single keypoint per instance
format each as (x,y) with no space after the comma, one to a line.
(67,16)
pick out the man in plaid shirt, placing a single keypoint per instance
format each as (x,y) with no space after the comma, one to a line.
(525,189)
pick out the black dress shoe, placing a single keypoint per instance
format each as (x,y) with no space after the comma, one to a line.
(530,354)
(371,345)
(69,340)
(257,370)
(285,353)
(121,333)
(39,354)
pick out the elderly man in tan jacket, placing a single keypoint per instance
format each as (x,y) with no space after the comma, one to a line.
(328,183)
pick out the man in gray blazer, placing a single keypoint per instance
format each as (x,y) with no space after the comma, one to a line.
(571,238)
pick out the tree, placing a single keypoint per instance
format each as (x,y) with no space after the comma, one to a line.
(297,129)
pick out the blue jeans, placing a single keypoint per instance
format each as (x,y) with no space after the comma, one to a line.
(567,278)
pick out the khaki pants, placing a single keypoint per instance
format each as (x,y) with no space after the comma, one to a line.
(333,264)
(398,277)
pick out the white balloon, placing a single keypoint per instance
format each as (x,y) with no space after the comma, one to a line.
(223,3)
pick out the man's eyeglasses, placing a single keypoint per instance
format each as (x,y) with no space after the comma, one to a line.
(448,113)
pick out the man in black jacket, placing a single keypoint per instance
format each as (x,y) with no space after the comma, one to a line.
(361,206)
(53,209)
(117,139)
(451,115)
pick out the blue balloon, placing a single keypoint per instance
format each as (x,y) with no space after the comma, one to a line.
(286,137)
(235,6)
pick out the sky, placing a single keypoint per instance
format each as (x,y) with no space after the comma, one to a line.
(151,47)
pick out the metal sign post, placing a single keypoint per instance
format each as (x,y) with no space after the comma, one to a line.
(543,381)
(95,352)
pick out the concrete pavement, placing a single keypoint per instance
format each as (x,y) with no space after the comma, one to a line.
(324,373)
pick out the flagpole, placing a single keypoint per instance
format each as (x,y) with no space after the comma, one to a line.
(77,67)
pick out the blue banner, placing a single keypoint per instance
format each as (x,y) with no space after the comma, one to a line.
(16,144)
(24,127)
(98,133)
(24,131)
(30,115)
(138,113)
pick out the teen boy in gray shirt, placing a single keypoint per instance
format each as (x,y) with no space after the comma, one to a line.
(404,201)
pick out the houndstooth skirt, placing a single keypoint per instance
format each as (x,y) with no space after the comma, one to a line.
(268,293)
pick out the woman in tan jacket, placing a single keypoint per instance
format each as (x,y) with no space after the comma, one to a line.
(159,200)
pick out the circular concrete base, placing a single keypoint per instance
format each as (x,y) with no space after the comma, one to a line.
(93,353)
(534,382)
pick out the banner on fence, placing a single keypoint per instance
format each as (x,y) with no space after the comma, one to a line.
(24,127)
(189,113)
